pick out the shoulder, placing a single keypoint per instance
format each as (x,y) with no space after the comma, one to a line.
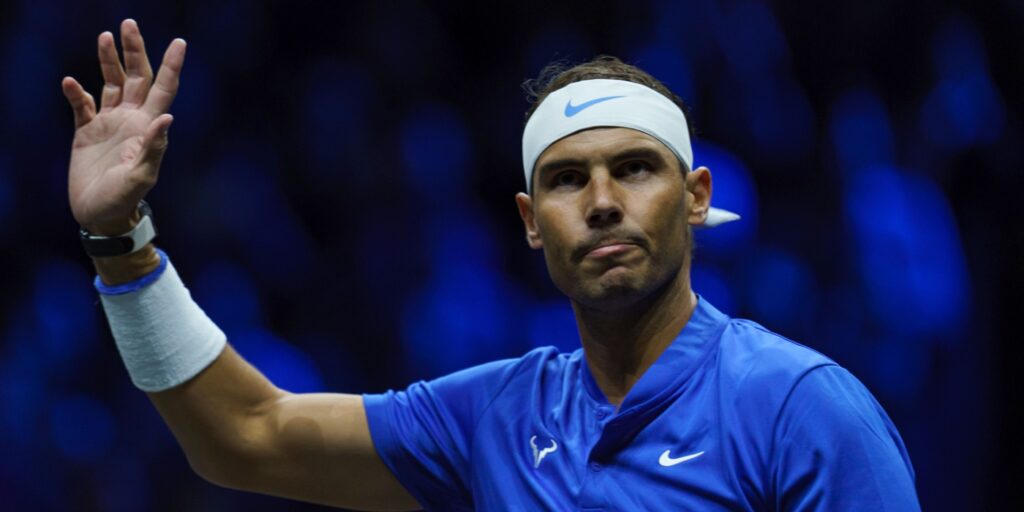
(764,363)
(473,389)
(804,396)
(834,445)
(455,401)
(828,405)
(782,386)
(492,376)
(792,395)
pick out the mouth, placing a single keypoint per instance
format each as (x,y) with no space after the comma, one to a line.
(609,250)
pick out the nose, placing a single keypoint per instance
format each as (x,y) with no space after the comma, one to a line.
(603,206)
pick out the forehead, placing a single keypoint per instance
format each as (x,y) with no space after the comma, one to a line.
(599,143)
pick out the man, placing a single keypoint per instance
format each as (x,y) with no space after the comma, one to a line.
(670,404)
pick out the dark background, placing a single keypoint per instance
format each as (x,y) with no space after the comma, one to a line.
(338,195)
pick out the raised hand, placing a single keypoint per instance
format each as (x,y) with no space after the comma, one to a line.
(116,153)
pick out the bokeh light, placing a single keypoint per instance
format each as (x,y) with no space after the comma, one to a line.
(908,253)
(436,150)
(82,428)
(860,131)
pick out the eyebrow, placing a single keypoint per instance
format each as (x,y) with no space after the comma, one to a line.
(628,154)
(639,154)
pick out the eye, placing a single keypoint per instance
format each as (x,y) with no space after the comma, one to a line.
(636,167)
(567,179)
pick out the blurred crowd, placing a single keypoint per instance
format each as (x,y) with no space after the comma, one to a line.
(338,196)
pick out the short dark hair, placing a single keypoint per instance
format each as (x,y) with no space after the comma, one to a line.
(561,73)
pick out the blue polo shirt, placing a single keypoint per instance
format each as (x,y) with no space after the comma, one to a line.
(730,417)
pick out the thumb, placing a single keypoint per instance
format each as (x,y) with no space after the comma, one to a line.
(154,142)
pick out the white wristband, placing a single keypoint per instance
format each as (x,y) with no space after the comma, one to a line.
(163,336)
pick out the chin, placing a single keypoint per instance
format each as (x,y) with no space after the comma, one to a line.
(621,287)
(616,288)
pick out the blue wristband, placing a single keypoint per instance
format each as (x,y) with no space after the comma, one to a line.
(138,284)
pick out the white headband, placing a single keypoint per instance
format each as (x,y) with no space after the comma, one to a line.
(602,102)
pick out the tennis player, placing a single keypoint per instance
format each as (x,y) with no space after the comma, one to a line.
(669,404)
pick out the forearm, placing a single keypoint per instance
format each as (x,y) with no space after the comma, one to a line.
(219,417)
(209,396)
(240,431)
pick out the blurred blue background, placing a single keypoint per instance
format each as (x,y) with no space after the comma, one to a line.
(338,194)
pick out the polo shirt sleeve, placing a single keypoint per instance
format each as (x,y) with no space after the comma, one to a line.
(424,433)
(836,449)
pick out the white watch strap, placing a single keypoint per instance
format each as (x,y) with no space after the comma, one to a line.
(142,233)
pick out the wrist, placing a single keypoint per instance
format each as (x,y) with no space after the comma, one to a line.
(117,270)
(133,240)
(115,228)
(163,336)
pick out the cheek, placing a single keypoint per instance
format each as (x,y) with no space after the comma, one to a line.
(557,252)
(556,233)
(670,227)
(553,229)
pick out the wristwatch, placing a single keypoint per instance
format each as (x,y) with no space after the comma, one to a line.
(106,246)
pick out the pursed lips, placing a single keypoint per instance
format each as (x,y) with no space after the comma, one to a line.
(606,247)
(609,248)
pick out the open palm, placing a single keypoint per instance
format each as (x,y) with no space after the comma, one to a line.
(116,153)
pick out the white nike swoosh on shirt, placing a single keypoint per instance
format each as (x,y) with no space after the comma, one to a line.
(666,460)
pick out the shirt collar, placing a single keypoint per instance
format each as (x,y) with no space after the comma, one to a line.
(673,368)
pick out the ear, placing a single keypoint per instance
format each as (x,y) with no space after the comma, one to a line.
(525,204)
(698,187)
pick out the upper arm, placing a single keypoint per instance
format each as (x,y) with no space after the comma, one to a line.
(240,431)
(836,449)
(393,451)
(316,447)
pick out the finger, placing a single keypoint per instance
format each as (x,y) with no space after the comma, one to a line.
(165,88)
(140,74)
(154,144)
(81,102)
(113,73)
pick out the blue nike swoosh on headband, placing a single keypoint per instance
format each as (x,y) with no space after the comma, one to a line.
(571,110)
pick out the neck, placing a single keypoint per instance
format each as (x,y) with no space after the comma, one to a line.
(620,345)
